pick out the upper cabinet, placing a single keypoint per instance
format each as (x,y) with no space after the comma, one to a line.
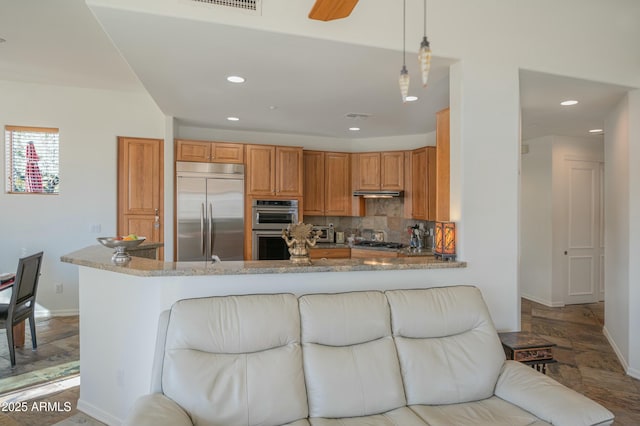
(327,184)
(274,171)
(313,183)
(379,171)
(209,152)
(423,183)
(392,170)
(429,176)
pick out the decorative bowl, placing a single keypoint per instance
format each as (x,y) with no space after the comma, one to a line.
(114,242)
(120,256)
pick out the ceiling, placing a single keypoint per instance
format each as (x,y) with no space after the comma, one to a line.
(293,85)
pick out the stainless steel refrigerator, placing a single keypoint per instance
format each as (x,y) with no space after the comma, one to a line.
(210,211)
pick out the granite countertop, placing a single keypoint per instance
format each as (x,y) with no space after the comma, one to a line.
(99,257)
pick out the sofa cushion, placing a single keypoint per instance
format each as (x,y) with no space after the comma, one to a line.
(236,360)
(400,417)
(448,348)
(492,411)
(350,361)
(345,318)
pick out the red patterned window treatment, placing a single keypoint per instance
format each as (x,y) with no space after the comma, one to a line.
(32,160)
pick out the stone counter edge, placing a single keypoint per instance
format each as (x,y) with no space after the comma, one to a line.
(99,257)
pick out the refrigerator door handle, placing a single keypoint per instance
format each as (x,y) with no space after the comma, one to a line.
(211,233)
(202,235)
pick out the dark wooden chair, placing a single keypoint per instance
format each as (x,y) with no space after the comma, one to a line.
(23,301)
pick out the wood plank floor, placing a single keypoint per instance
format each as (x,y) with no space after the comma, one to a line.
(586,362)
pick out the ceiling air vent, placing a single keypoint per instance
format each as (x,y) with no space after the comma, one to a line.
(250,5)
(357,115)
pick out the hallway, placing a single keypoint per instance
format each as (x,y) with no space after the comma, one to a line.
(586,362)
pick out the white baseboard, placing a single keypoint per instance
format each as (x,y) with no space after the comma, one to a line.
(616,350)
(543,301)
(633,373)
(98,414)
(43,313)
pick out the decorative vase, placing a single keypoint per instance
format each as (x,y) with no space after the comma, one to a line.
(299,238)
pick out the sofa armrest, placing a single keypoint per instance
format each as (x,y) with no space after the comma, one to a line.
(547,399)
(156,410)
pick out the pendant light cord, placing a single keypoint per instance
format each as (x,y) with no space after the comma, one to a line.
(404,32)
(425,18)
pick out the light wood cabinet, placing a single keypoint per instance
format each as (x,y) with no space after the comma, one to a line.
(330,253)
(442,166)
(423,183)
(369,171)
(357,253)
(274,171)
(313,183)
(392,171)
(380,171)
(140,188)
(209,152)
(338,195)
(288,171)
(327,184)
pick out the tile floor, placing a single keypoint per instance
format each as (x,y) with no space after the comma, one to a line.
(586,363)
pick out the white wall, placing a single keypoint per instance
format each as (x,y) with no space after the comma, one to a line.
(634,234)
(617,236)
(622,237)
(90,122)
(536,221)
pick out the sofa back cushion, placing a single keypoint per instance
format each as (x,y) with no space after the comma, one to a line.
(350,362)
(236,360)
(448,347)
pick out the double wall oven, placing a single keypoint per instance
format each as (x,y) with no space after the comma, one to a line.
(269,218)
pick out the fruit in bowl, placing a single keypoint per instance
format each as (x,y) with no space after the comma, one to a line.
(128,241)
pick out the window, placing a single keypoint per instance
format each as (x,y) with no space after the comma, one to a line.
(32,160)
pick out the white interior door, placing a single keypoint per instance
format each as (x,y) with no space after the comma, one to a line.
(584,254)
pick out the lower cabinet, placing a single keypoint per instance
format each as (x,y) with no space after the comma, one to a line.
(329,253)
(366,253)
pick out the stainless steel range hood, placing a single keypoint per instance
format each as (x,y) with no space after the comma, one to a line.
(378,194)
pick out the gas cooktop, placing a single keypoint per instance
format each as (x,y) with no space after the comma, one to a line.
(382,244)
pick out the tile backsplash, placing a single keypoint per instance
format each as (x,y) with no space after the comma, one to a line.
(383,214)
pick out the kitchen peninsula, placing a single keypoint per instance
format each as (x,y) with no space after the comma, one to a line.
(120,306)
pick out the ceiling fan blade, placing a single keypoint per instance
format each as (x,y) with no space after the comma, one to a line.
(327,10)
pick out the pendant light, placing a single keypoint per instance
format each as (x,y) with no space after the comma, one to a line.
(424,54)
(404,74)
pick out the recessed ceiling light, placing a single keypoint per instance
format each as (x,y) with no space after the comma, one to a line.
(568,102)
(233,119)
(235,79)
(411,98)
(273,107)
(596,131)
(354,129)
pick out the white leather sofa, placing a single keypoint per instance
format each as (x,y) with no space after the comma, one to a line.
(404,358)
